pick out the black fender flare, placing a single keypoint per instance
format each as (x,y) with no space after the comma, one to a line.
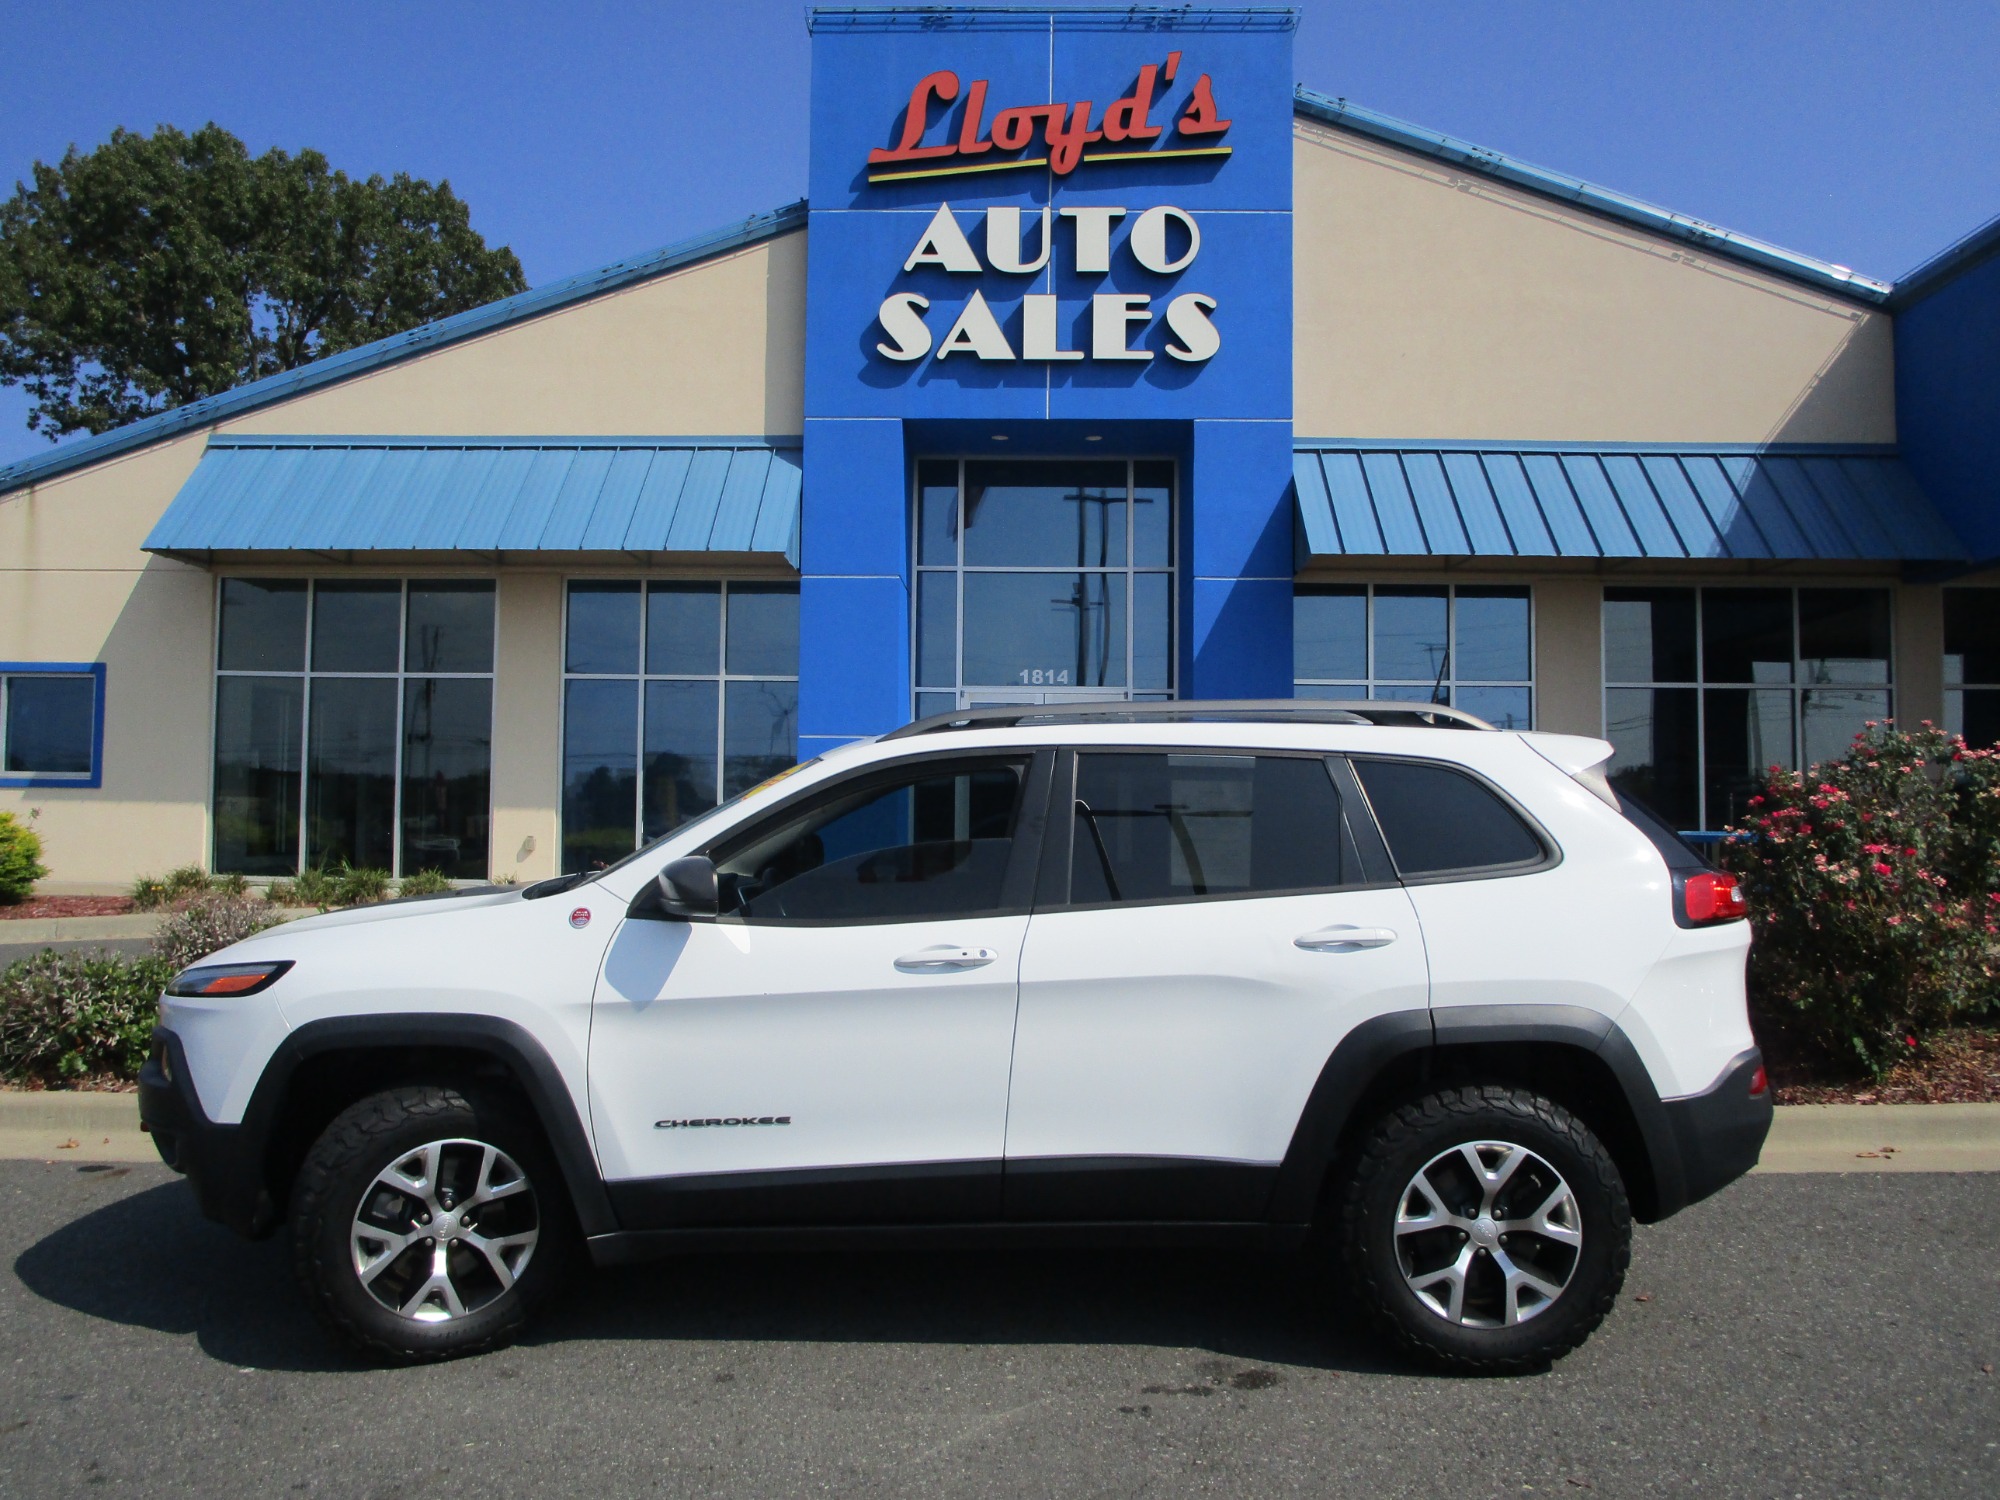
(1367,1051)
(511,1045)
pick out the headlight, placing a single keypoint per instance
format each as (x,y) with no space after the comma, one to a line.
(228,979)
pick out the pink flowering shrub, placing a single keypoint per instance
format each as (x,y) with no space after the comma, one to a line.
(1874,886)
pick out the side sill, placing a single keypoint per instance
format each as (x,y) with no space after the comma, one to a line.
(629,1247)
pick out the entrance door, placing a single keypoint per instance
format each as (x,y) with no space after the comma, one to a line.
(1043,580)
(835,1047)
(1215,935)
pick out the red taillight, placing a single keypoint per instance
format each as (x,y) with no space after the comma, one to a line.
(1713,897)
(1759,1082)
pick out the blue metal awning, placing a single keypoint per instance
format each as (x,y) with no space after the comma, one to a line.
(368,494)
(1360,499)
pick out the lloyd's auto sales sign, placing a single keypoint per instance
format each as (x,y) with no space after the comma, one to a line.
(1008,239)
(1030,215)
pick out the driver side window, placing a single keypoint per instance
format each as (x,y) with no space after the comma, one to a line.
(931,843)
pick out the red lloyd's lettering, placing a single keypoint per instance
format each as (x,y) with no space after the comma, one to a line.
(1064,128)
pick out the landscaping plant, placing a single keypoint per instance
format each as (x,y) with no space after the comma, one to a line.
(20,859)
(1874,888)
(208,923)
(424,883)
(65,1017)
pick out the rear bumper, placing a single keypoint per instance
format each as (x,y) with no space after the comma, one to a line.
(221,1162)
(1720,1132)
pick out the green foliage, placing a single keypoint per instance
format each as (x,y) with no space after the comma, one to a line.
(314,887)
(326,889)
(424,883)
(207,923)
(155,270)
(188,883)
(20,859)
(68,1016)
(1874,887)
(358,887)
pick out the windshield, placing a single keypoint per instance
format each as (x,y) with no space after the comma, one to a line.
(693,823)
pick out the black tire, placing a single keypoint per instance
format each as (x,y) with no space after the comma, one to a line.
(1412,1139)
(343,1168)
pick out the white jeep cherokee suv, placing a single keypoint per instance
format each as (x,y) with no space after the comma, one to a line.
(1369,976)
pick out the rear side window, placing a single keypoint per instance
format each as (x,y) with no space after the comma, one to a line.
(1155,827)
(1439,821)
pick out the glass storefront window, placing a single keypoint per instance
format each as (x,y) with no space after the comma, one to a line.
(677,694)
(1972,664)
(1466,645)
(1043,580)
(354,725)
(1706,688)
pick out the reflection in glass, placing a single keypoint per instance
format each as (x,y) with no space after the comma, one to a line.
(1746,635)
(1649,635)
(937,513)
(1843,636)
(937,628)
(936,703)
(447,774)
(351,773)
(257,727)
(1491,630)
(1045,629)
(49,724)
(1410,636)
(1746,732)
(356,625)
(1502,707)
(600,777)
(1152,514)
(760,733)
(263,625)
(1830,718)
(603,627)
(1029,514)
(1972,637)
(764,629)
(680,753)
(1654,737)
(1152,630)
(1330,633)
(1974,713)
(684,629)
(450,626)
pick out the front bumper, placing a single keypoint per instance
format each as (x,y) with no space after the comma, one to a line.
(223,1163)
(1720,1132)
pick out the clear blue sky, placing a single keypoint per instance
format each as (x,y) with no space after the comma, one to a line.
(1863,133)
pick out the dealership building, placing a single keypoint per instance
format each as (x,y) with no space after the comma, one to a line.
(1101,361)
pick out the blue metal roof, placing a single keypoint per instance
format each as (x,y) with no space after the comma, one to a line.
(1797,503)
(361,494)
(420,340)
(1711,237)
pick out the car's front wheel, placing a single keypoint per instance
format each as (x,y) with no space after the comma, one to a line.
(427,1222)
(1487,1227)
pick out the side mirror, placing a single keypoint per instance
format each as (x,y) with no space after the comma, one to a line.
(687,889)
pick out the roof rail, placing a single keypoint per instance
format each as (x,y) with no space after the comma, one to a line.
(1201,711)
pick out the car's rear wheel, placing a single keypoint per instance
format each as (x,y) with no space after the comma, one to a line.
(1487,1228)
(427,1222)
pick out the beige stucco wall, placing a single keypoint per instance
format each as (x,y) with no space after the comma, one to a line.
(1434,303)
(716,349)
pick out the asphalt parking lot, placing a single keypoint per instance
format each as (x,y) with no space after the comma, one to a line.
(1796,1337)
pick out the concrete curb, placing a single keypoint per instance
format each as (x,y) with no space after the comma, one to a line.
(26,931)
(1804,1138)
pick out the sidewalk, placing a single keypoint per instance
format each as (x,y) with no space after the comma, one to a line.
(1806,1137)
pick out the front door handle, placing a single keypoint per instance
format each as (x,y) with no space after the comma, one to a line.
(945,958)
(1338,939)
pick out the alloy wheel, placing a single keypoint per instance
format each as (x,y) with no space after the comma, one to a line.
(445,1229)
(1488,1234)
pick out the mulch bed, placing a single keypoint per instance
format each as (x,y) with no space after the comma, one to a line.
(1959,1067)
(68,906)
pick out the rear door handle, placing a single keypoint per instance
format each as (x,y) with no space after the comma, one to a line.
(1337,939)
(944,957)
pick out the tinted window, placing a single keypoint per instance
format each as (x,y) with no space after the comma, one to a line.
(1436,819)
(1148,827)
(934,844)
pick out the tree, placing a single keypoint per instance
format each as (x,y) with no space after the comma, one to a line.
(159,269)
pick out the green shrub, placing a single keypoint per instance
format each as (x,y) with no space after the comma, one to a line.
(358,887)
(229,885)
(149,892)
(69,1016)
(314,887)
(1874,888)
(20,859)
(208,923)
(424,883)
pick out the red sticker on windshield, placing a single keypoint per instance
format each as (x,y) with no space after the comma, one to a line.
(580,917)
